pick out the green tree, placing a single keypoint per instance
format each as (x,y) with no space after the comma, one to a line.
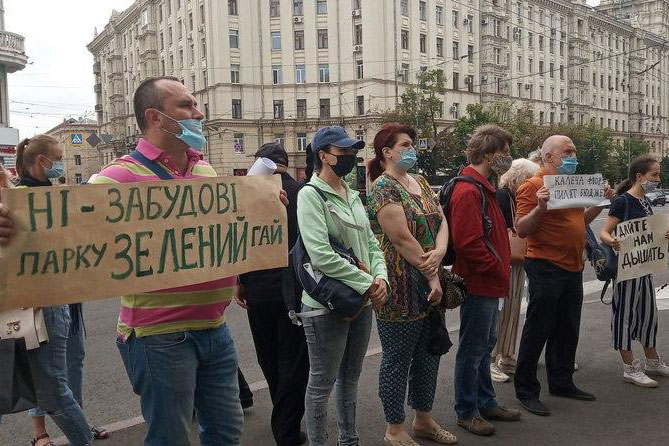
(624,153)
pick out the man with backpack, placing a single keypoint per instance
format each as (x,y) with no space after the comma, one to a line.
(554,266)
(482,257)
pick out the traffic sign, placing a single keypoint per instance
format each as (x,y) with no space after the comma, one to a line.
(77,139)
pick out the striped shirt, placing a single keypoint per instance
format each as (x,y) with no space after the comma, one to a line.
(194,307)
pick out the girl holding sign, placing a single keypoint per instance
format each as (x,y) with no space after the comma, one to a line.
(634,306)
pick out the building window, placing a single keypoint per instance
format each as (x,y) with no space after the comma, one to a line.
(238,143)
(301,108)
(204,47)
(277,75)
(541,67)
(541,118)
(190,21)
(561,72)
(322,39)
(170,37)
(298,7)
(530,39)
(278,109)
(237,109)
(439,15)
(541,42)
(360,105)
(232,7)
(77,160)
(299,40)
(358,35)
(455,19)
(234,38)
(179,29)
(300,74)
(359,72)
(276,40)
(301,142)
(321,7)
(423,43)
(324,73)
(422,10)
(280,138)
(456,50)
(404,7)
(206,111)
(405,39)
(469,80)
(77,178)
(360,134)
(455,110)
(404,76)
(470,53)
(470,24)
(234,73)
(274,8)
(552,69)
(324,108)
(440,47)
(456,81)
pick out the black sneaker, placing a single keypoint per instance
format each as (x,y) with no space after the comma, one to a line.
(247,404)
(299,440)
(574,393)
(533,405)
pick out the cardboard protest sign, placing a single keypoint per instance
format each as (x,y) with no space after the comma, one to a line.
(74,244)
(575,191)
(644,247)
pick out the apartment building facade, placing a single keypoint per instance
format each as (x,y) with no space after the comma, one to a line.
(266,70)
(80,159)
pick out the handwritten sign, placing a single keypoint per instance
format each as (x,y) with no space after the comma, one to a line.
(644,247)
(575,191)
(81,243)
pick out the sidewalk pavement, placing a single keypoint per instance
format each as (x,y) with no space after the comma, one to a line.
(622,414)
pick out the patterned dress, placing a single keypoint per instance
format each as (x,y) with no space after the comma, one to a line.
(409,289)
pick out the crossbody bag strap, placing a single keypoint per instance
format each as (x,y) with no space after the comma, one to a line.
(151,165)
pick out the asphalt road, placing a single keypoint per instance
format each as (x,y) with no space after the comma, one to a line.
(108,397)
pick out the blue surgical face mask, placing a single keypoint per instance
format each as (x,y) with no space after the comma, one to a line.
(408,160)
(56,170)
(569,165)
(191,132)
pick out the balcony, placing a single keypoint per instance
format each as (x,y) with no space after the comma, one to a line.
(96,68)
(98,108)
(12,52)
(97,88)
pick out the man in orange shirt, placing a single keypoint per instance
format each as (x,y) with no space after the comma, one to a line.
(554,266)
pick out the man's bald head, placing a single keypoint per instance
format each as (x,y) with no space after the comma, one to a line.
(150,94)
(554,143)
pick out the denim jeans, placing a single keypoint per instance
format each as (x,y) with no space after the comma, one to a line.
(75,361)
(172,373)
(478,336)
(336,351)
(49,365)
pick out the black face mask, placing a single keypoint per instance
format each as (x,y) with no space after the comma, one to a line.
(344,166)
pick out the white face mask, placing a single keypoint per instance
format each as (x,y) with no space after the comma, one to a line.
(649,186)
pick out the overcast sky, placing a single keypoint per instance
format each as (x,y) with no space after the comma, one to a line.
(58,83)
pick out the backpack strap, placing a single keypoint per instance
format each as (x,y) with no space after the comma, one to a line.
(151,165)
(487,222)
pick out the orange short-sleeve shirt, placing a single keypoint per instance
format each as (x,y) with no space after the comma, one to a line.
(560,237)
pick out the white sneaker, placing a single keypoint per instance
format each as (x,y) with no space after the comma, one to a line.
(497,375)
(656,367)
(633,374)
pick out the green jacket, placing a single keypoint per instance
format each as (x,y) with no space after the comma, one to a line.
(316,224)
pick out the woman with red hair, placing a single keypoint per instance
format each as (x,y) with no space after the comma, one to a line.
(413,235)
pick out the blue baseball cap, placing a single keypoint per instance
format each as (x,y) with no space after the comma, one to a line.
(334,136)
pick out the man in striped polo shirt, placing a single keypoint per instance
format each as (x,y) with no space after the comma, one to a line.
(174,343)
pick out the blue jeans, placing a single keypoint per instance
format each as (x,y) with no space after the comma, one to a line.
(172,373)
(49,365)
(478,336)
(336,351)
(75,360)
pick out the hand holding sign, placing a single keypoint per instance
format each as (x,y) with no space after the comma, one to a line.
(644,248)
(576,191)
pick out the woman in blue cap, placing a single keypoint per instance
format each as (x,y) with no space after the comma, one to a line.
(336,346)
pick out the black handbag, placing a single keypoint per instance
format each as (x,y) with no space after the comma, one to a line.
(438,341)
(17,392)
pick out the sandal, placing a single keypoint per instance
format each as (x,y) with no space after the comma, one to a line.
(99,433)
(439,435)
(44,436)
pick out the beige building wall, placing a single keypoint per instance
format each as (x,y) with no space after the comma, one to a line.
(264,70)
(80,159)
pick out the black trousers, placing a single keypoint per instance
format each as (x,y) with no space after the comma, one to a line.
(245,394)
(553,320)
(283,357)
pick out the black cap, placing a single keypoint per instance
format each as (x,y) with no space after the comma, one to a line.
(273,151)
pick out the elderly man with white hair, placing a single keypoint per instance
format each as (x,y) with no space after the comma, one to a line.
(554,267)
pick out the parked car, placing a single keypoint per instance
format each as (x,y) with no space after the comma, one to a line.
(657,198)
